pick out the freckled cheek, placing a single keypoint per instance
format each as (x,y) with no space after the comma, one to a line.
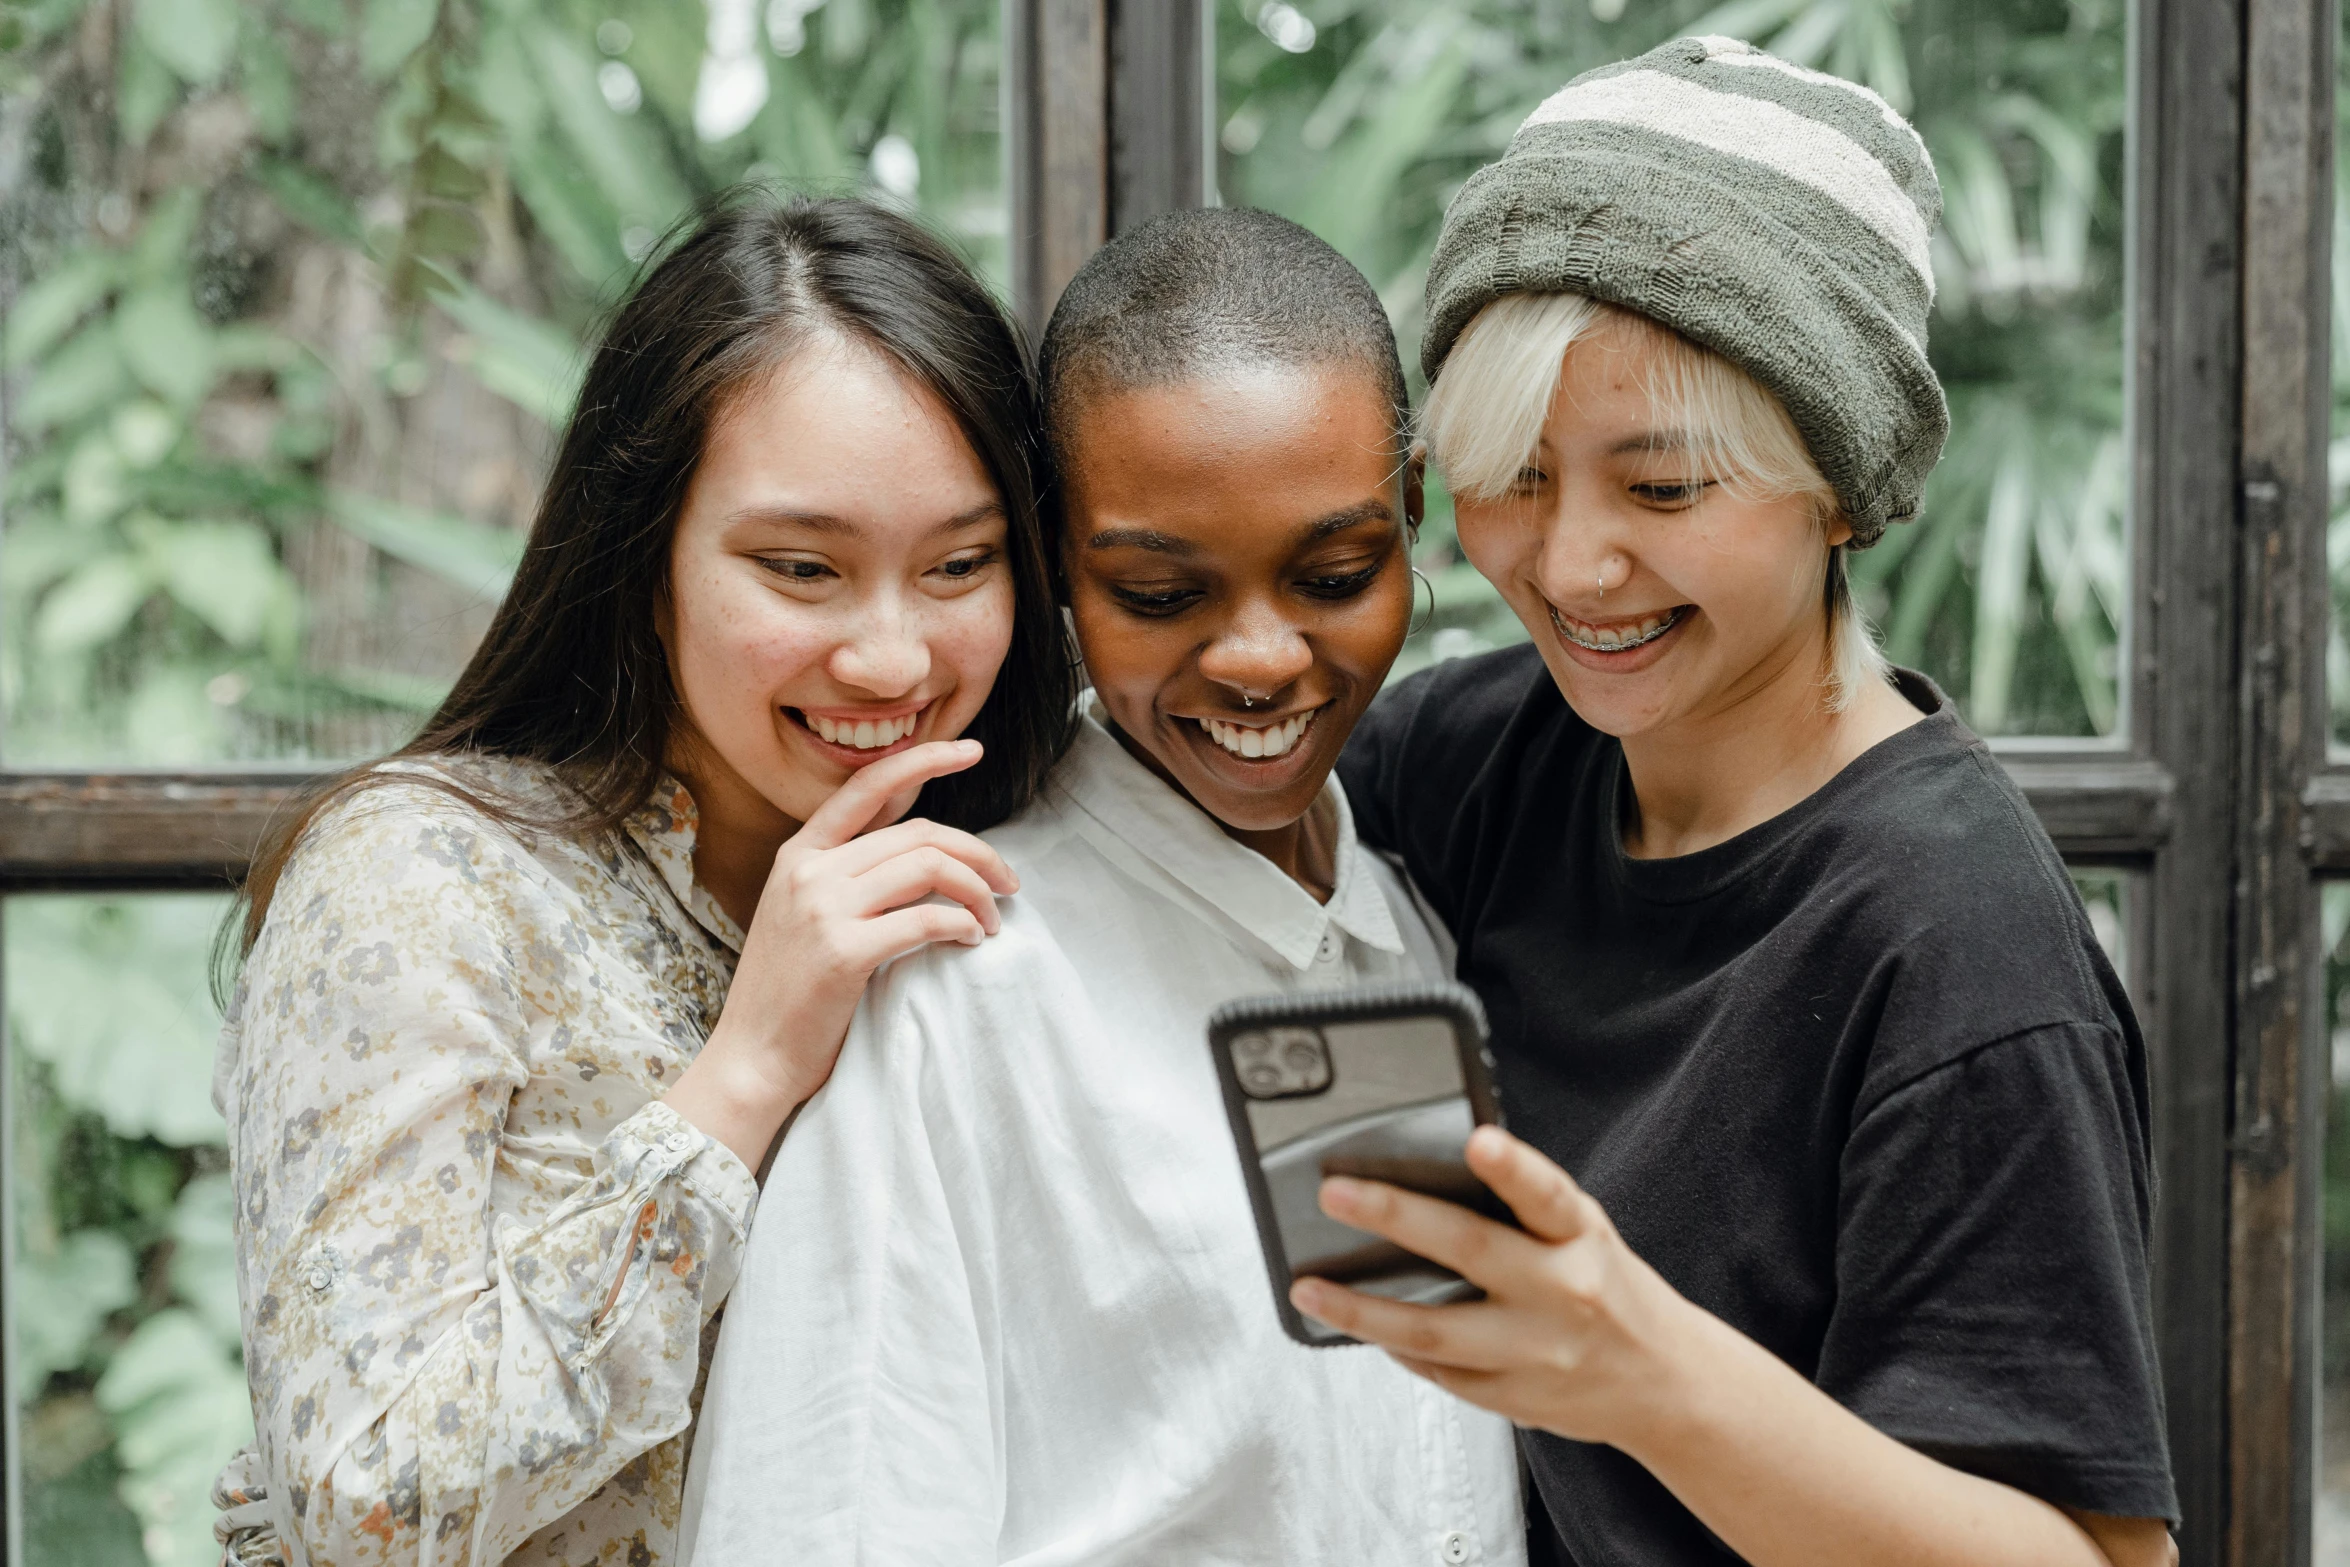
(1494,542)
(970,636)
(1747,577)
(745,643)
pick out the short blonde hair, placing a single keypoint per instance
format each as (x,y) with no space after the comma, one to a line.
(1486,411)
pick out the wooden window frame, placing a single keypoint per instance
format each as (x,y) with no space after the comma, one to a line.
(2220,795)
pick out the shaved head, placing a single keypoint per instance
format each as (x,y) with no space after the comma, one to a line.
(1189,295)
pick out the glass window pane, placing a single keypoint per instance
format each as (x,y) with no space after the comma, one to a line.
(130,1388)
(1361,119)
(293,301)
(2110,897)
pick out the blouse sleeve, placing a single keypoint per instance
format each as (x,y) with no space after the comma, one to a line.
(434,1379)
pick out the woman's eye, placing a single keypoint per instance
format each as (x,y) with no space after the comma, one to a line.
(1528,479)
(1687,492)
(797,570)
(1155,601)
(1340,585)
(963,568)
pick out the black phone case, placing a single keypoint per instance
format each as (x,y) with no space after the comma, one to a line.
(1456,1004)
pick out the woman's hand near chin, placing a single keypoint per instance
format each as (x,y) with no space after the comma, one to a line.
(847,893)
(1580,1337)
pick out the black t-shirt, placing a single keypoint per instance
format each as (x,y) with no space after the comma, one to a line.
(1859,1081)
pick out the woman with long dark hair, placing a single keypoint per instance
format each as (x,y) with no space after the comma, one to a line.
(525,1004)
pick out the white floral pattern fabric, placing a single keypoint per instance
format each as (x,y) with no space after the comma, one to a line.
(479,1258)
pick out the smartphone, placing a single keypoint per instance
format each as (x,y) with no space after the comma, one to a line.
(1384,1082)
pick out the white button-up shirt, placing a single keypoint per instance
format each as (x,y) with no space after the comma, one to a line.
(1004,1301)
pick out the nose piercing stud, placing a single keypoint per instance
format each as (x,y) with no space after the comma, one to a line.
(1246,700)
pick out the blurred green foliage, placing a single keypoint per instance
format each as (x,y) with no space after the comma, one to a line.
(129,1380)
(1360,118)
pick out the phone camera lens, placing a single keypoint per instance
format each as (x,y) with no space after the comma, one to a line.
(1303,1059)
(1262,1076)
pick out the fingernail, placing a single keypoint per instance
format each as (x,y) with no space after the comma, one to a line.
(1307,1294)
(1339,1194)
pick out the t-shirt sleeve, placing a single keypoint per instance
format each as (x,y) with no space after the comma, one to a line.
(1991,1264)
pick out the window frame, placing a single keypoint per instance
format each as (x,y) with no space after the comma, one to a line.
(2219,791)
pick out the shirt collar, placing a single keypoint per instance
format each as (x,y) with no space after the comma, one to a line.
(1147,817)
(665,827)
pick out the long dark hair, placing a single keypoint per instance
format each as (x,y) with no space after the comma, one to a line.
(571,673)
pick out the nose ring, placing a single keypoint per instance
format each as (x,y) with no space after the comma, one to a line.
(1247,700)
(1600,578)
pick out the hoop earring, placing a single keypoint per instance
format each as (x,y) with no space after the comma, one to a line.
(1415,630)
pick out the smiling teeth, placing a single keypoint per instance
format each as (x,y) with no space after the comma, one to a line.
(863,735)
(1259,743)
(1600,639)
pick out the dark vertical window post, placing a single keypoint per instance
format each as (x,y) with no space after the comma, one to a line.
(2185,369)
(2276,1141)
(1106,116)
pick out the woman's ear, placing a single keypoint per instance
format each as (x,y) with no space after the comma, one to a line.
(665,619)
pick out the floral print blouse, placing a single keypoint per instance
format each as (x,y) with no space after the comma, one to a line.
(478,1257)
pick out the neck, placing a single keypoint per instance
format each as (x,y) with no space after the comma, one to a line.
(737,836)
(1302,850)
(1757,751)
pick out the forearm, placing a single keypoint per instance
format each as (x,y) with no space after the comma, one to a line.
(1787,1477)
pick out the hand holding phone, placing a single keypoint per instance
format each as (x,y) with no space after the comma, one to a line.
(1383,1082)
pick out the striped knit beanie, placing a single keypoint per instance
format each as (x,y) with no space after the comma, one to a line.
(1775,215)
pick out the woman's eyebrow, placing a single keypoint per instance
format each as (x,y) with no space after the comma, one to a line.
(1141,539)
(841,527)
(1657,442)
(1152,539)
(1373,510)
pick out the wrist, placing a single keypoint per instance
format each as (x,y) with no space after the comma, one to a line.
(1693,1372)
(752,1073)
(727,1094)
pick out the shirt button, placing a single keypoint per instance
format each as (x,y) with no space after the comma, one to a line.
(1327,952)
(1455,1549)
(678,1142)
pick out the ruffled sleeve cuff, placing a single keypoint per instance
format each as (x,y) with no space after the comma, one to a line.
(637,1260)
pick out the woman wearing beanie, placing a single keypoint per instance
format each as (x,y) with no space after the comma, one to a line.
(1851,1262)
